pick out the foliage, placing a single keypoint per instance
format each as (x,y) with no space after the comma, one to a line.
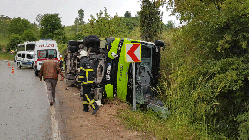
(150,123)
(150,20)
(135,34)
(170,25)
(20,30)
(78,21)
(18,26)
(244,125)
(4,25)
(81,17)
(131,23)
(4,34)
(14,40)
(127,14)
(6,56)
(51,26)
(106,26)
(60,36)
(62,48)
(205,81)
(36,30)
(137,14)
(29,35)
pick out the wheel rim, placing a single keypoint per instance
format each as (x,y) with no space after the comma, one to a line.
(100,71)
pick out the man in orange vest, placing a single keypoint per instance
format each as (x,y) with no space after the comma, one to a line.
(50,70)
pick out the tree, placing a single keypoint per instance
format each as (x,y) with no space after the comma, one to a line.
(105,25)
(78,21)
(215,44)
(131,22)
(150,20)
(35,30)
(170,24)
(14,40)
(18,26)
(29,35)
(137,14)
(50,26)
(127,14)
(60,36)
(81,17)
(4,25)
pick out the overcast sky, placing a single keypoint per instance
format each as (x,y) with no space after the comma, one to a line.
(68,9)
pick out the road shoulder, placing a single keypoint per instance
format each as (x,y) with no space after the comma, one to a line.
(76,124)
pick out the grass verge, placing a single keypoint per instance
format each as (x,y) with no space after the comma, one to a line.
(149,123)
(7,56)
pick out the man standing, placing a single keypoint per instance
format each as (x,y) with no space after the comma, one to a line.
(50,70)
(86,78)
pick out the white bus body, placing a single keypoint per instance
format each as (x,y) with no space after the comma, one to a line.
(29,45)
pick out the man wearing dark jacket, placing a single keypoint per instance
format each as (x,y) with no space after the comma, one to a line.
(50,70)
(87,80)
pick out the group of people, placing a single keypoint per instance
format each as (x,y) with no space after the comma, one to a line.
(50,70)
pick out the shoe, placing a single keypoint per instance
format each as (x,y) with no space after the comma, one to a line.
(85,108)
(51,103)
(95,110)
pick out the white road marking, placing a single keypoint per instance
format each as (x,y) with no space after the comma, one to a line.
(55,128)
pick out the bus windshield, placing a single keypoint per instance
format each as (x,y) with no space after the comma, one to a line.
(30,47)
(30,56)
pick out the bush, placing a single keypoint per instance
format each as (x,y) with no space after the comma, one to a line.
(62,48)
(14,40)
(206,88)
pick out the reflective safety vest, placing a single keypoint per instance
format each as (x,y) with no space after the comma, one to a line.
(86,74)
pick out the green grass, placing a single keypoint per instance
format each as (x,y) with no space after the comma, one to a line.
(6,56)
(3,39)
(149,123)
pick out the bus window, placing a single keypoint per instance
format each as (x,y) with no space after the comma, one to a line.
(30,47)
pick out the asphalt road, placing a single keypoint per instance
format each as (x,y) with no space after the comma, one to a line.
(24,109)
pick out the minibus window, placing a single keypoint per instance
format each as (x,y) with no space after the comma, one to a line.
(30,56)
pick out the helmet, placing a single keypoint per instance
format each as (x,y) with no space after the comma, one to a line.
(83,53)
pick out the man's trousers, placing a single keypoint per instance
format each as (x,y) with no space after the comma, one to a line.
(88,98)
(51,84)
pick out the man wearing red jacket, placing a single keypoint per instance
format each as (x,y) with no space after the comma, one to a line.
(50,70)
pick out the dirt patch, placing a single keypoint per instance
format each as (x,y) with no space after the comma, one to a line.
(78,125)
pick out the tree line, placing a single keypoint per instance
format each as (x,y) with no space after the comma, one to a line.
(18,30)
(206,68)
